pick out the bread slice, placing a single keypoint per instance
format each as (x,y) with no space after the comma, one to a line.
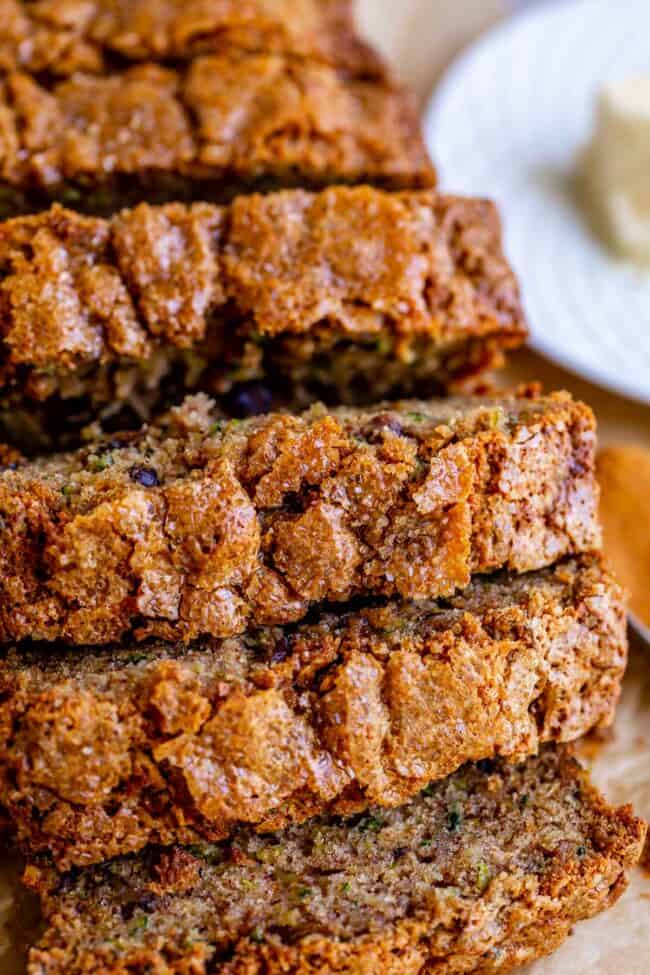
(102,752)
(348,294)
(198,526)
(487,870)
(216,126)
(55,38)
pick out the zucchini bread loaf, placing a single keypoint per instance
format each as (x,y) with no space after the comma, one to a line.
(351,294)
(61,38)
(486,870)
(219,125)
(200,526)
(104,751)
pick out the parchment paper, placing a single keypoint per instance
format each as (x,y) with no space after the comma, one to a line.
(618,941)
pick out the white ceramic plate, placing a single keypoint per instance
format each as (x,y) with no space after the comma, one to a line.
(508,121)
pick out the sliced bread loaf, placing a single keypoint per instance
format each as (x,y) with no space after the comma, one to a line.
(487,870)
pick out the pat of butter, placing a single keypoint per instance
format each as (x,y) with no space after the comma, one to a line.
(616,167)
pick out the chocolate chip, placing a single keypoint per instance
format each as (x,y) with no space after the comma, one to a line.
(68,881)
(146,476)
(249,399)
(148,903)
(281,650)
(115,444)
(381,424)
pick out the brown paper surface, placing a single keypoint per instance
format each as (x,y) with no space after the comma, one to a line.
(618,941)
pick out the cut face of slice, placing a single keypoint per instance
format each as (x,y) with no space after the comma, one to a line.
(351,295)
(487,870)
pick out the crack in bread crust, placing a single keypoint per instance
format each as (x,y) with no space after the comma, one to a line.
(487,870)
(204,527)
(102,752)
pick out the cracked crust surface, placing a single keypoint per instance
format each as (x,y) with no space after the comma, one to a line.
(104,752)
(62,37)
(209,129)
(351,292)
(485,871)
(201,526)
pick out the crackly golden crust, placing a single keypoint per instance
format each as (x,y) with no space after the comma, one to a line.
(66,36)
(104,752)
(206,130)
(487,870)
(202,527)
(353,292)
